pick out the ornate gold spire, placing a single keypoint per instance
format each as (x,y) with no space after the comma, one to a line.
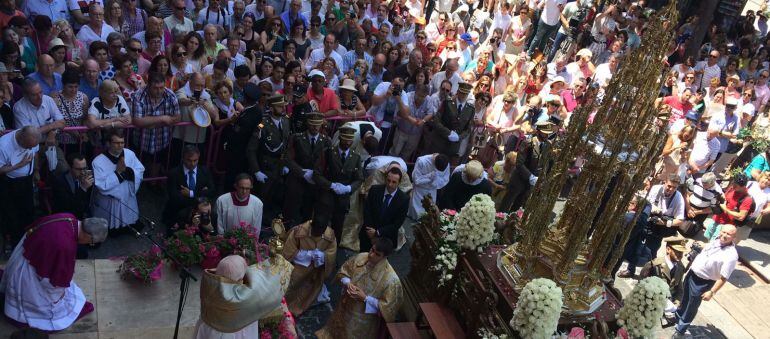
(620,148)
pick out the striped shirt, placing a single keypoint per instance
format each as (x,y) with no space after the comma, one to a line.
(700,197)
(153,140)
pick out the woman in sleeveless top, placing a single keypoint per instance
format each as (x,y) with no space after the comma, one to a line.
(674,153)
(518,32)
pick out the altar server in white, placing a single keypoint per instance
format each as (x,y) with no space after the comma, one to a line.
(431,173)
(117,176)
(239,207)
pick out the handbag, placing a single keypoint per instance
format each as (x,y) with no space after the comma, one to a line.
(689,229)
(491,152)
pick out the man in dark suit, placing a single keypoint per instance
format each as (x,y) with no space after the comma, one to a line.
(266,154)
(337,173)
(186,183)
(527,170)
(385,209)
(452,123)
(72,189)
(305,149)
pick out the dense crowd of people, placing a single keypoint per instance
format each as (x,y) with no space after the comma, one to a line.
(349,113)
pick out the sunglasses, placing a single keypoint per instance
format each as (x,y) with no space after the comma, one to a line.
(508,101)
(763,76)
(135,49)
(181,54)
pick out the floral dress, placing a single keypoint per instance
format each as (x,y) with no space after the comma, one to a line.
(73,113)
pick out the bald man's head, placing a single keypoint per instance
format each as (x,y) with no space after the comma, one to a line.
(727,234)
(45,65)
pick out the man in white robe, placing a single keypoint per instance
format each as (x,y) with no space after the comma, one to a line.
(239,207)
(117,176)
(37,281)
(431,173)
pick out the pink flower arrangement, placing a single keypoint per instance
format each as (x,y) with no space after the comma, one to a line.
(145,266)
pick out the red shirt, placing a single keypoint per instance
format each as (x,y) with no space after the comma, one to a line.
(678,109)
(326,102)
(732,199)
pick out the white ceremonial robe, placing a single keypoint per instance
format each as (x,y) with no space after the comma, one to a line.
(34,301)
(427,180)
(230,216)
(113,200)
(204,331)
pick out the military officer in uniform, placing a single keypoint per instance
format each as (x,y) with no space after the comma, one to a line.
(266,154)
(301,109)
(669,267)
(305,149)
(452,123)
(337,173)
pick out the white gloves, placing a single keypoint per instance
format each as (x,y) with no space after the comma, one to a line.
(340,189)
(308,175)
(318,257)
(285,170)
(453,137)
(532,180)
(261,177)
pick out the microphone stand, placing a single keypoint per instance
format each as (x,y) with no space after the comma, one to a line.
(184,273)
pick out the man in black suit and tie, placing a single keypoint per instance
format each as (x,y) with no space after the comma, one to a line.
(385,209)
(72,189)
(186,183)
(337,173)
(305,149)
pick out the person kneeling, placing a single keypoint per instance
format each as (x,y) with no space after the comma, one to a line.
(37,282)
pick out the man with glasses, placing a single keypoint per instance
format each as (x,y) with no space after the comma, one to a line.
(708,69)
(115,44)
(139,64)
(154,24)
(575,95)
(178,23)
(72,189)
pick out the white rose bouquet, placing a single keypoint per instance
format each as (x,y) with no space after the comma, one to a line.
(446,258)
(485,333)
(476,222)
(538,309)
(643,308)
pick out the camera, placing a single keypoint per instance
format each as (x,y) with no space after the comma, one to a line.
(205,218)
(397,90)
(197,95)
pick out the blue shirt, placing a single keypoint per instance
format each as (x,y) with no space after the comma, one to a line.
(48,88)
(56,10)
(287,22)
(759,162)
(90,92)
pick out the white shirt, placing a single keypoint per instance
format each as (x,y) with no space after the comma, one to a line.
(671,206)
(379,110)
(704,150)
(715,261)
(209,70)
(438,78)
(98,110)
(87,35)
(701,197)
(318,54)
(603,74)
(551,12)
(26,114)
(215,18)
(760,197)
(177,27)
(12,153)
(724,123)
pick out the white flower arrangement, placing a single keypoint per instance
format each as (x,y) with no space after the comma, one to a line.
(643,308)
(485,333)
(476,223)
(538,309)
(446,258)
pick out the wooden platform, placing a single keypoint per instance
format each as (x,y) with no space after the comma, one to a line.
(127,309)
(748,306)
